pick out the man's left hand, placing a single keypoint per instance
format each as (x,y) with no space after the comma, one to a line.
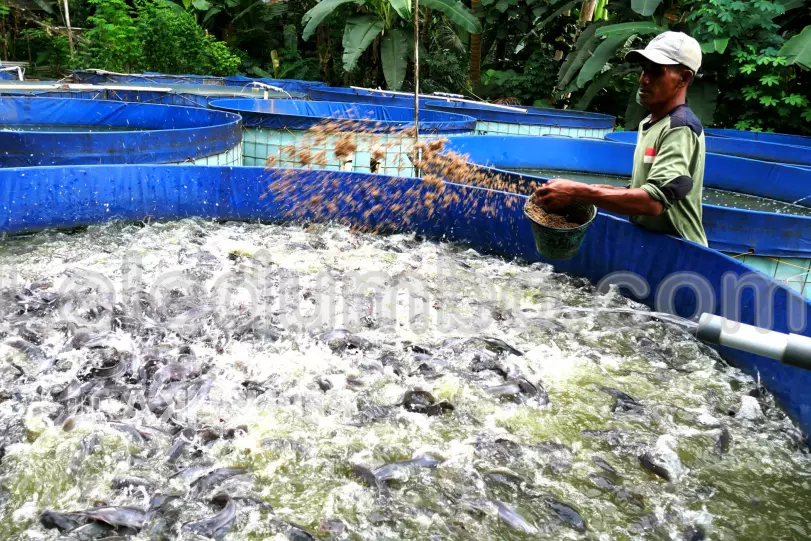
(556,194)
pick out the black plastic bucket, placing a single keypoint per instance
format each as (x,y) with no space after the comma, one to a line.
(558,244)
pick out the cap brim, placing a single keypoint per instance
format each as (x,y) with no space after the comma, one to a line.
(640,55)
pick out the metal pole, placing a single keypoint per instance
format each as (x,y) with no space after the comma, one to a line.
(416,77)
(70,32)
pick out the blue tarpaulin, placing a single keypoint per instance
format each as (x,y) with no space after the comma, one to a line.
(302,115)
(196,98)
(764,137)
(160,133)
(290,85)
(729,229)
(744,148)
(480,111)
(681,276)
(97,77)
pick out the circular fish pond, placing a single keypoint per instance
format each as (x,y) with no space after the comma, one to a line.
(186,95)
(248,381)
(337,136)
(50,131)
(490,119)
(98,77)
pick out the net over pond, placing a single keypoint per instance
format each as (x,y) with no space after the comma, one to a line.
(50,131)
(186,95)
(490,118)
(196,378)
(105,77)
(337,136)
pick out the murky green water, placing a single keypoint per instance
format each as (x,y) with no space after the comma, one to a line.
(712,196)
(63,128)
(192,346)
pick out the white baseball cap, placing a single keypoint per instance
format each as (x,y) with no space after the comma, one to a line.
(669,49)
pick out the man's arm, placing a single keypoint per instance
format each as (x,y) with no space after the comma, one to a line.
(558,193)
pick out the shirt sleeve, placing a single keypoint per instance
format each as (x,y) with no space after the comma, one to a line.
(672,163)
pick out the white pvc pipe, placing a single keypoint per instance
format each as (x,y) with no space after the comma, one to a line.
(77,86)
(18,69)
(793,349)
(443,97)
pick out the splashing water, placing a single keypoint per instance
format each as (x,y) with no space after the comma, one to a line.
(247,381)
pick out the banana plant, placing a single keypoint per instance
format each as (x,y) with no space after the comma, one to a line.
(392,22)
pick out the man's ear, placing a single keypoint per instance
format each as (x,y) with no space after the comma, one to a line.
(687,77)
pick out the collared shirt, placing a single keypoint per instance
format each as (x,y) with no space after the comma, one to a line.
(669,165)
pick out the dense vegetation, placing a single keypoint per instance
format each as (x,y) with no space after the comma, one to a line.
(554,53)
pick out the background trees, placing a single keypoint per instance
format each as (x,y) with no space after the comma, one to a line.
(552,53)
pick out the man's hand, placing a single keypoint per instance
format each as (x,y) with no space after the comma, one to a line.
(556,194)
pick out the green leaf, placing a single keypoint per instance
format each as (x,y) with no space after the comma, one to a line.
(807,115)
(321,11)
(360,31)
(634,113)
(577,57)
(791,4)
(702,96)
(275,9)
(746,69)
(201,5)
(626,29)
(402,7)
(565,7)
(796,99)
(750,93)
(768,101)
(599,83)
(456,12)
(769,80)
(210,14)
(502,5)
(604,52)
(249,8)
(261,73)
(394,57)
(646,8)
(45,5)
(798,49)
(717,45)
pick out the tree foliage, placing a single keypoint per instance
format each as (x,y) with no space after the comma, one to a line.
(559,53)
(387,22)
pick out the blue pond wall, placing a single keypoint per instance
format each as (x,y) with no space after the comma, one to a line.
(279,129)
(763,179)
(763,137)
(744,148)
(141,95)
(490,120)
(784,240)
(50,197)
(160,133)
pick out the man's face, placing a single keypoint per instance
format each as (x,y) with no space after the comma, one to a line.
(659,83)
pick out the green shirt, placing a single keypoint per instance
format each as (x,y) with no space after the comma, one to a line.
(669,165)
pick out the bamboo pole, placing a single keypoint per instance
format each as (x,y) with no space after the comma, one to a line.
(416,74)
(70,32)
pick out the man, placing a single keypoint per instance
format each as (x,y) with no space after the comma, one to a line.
(668,173)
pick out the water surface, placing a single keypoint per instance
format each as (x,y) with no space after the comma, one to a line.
(543,397)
